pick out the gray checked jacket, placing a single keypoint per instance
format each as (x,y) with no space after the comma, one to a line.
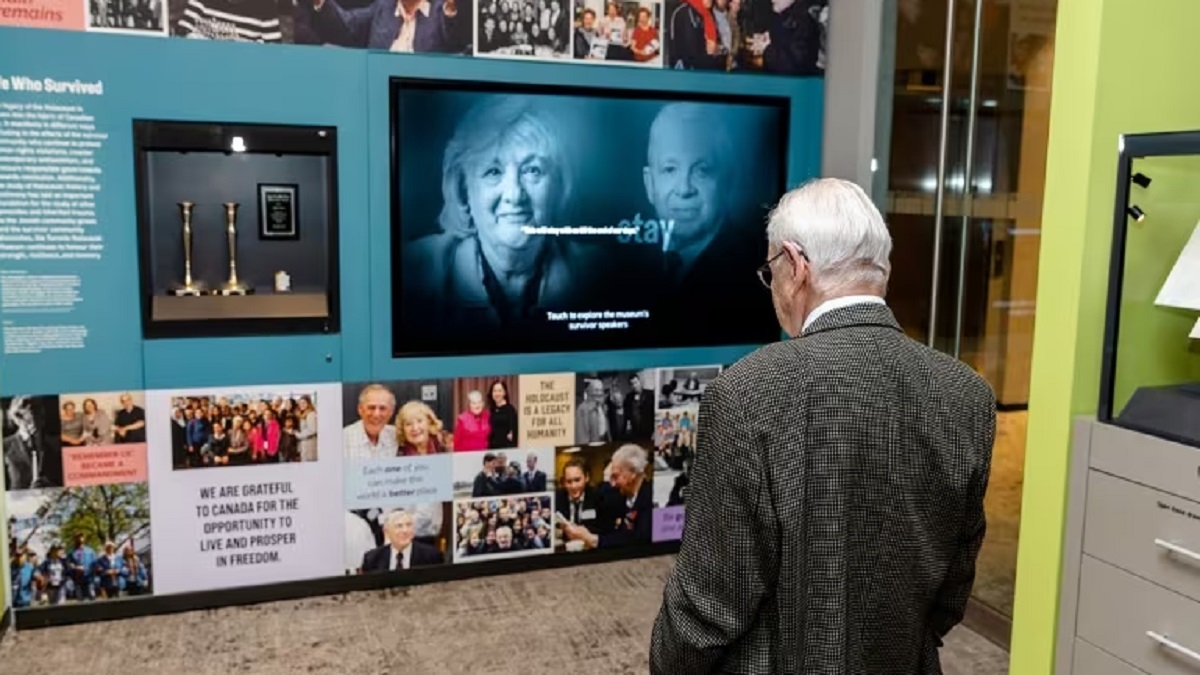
(835,509)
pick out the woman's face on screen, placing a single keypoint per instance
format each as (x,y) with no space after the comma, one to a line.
(416,429)
(509,189)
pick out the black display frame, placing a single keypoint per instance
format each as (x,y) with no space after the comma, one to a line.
(262,212)
(1131,147)
(150,135)
(156,605)
(397,83)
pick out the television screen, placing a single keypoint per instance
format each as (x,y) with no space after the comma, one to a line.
(537,219)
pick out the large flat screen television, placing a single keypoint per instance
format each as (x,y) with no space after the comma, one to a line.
(558,219)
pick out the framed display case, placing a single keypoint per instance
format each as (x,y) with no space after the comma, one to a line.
(237,228)
(1150,374)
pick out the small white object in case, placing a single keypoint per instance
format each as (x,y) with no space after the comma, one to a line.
(283,282)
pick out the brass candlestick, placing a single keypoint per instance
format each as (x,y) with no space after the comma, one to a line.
(190,286)
(233,286)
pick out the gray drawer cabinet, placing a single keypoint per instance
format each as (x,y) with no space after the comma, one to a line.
(1131,571)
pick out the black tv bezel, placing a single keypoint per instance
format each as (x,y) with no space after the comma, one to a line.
(151,135)
(781,102)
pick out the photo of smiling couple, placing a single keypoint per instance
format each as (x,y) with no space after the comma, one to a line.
(563,222)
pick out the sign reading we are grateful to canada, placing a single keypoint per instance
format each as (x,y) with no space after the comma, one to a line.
(277,211)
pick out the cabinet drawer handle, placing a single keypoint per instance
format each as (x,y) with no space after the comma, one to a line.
(1172,645)
(1177,549)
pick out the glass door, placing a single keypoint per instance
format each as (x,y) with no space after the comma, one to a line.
(966,87)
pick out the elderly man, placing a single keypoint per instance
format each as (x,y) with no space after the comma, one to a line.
(401,551)
(835,508)
(129,424)
(631,522)
(691,181)
(372,436)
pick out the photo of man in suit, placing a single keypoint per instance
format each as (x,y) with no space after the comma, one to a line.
(854,459)
(624,510)
(400,551)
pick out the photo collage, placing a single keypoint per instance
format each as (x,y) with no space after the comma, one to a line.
(771,36)
(256,485)
(78,497)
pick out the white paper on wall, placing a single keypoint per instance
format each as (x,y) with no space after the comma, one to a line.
(1182,288)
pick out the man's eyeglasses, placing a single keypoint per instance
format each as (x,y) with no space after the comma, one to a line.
(764,270)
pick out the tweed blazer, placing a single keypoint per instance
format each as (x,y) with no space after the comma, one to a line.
(835,509)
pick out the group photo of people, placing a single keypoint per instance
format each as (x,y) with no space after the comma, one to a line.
(139,16)
(786,37)
(503,527)
(411,418)
(676,428)
(243,429)
(503,474)
(32,442)
(619,32)
(524,28)
(604,497)
(78,545)
(396,539)
(102,419)
(615,406)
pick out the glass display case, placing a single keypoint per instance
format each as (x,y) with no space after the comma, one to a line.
(1150,377)
(237,228)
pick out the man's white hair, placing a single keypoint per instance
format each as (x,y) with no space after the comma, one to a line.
(840,231)
(631,456)
(392,518)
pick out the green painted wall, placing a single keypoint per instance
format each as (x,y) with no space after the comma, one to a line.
(1118,69)
(1153,347)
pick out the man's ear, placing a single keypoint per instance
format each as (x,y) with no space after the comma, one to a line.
(797,262)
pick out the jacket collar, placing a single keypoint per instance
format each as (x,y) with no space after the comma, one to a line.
(864,314)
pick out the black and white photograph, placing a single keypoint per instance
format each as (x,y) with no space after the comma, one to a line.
(398,539)
(605,496)
(410,26)
(503,527)
(579,220)
(535,29)
(621,32)
(782,37)
(615,406)
(503,473)
(262,21)
(127,16)
(32,427)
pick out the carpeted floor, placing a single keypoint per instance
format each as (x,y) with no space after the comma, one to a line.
(591,619)
(996,571)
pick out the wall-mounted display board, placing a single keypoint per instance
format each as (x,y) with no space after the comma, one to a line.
(159,462)
(781,37)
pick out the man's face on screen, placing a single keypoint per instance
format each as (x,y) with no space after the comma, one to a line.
(375,410)
(682,182)
(508,189)
(400,531)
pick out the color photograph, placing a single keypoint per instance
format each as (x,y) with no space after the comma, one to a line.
(103,438)
(503,473)
(782,37)
(604,497)
(675,430)
(394,539)
(615,406)
(243,429)
(405,418)
(409,26)
(619,33)
(32,442)
(503,527)
(79,545)
(485,413)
